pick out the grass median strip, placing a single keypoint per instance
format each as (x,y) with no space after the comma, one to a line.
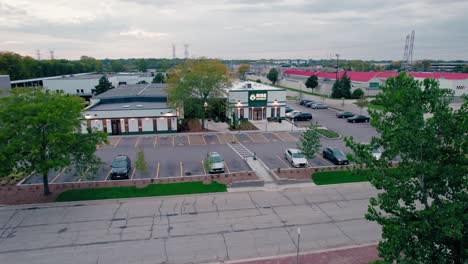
(328,133)
(148,191)
(344,176)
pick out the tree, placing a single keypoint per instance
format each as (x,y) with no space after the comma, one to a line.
(273,75)
(422,204)
(336,89)
(342,87)
(117,66)
(103,86)
(309,143)
(140,163)
(142,65)
(142,82)
(312,82)
(39,134)
(357,94)
(361,103)
(258,81)
(197,79)
(159,78)
(243,68)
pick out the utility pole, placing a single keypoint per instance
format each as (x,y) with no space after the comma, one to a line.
(38,52)
(337,60)
(186,46)
(298,243)
(173,51)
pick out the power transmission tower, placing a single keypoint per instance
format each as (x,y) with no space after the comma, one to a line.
(173,51)
(186,54)
(408,54)
(51,51)
(410,51)
(337,61)
(38,54)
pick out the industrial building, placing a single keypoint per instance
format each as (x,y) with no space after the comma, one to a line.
(83,84)
(370,82)
(4,85)
(131,109)
(256,101)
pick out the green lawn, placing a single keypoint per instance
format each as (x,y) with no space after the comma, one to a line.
(335,177)
(328,133)
(132,191)
(376,107)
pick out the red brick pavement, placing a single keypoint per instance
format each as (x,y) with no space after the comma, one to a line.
(355,255)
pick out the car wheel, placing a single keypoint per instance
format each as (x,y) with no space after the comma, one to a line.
(367,120)
(354,121)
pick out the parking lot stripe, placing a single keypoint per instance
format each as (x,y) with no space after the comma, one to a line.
(58,175)
(284,162)
(133,173)
(322,158)
(173,139)
(137,141)
(203,166)
(107,176)
(157,171)
(188,139)
(204,142)
(118,141)
(181,168)
(219,139)
(155,142)
(227,168)
(86,171)
(250,137)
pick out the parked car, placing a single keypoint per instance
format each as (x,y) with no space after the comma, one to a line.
(295,157)
(289,109)
(318,106)
(215,162)
(376,153)
(120,168)
(302,117)
(304,101)
(310,103)
(291,114)
(335,155)
(344,114)
(359,119)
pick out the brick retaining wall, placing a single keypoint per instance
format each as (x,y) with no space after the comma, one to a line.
(25,194)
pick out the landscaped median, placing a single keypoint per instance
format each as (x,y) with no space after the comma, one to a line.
(327,133)
(133,191)
(343,176)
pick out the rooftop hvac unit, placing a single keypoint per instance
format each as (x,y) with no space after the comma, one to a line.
(249,86)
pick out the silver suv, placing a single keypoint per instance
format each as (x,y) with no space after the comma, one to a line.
(215,163)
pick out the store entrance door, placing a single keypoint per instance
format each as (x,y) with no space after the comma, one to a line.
(257,113)
(115,124)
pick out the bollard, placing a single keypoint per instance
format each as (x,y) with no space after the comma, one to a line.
(255,156)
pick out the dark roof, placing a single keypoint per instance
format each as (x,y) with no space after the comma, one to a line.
(141,105)
(135,91)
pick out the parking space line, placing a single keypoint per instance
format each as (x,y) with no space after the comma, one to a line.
(137,141)
(323,159)
(203,166)
(284,162)
(188,139)
(86,171)
(58,175)
(250,137)
(181,168)
(219,139)
(157,171)
(155,142)
(173,141)
(118,142)
(226,166)
(204,142)
(107,176)
(133,173)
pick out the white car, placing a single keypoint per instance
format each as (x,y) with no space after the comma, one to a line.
(376,153)
(215,163)
(295,157)
(291,114)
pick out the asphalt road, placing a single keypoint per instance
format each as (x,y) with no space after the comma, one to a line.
(188,229)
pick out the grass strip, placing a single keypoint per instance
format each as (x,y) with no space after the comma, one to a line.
(328,133)
(346,176)
(377,107)
(148,191)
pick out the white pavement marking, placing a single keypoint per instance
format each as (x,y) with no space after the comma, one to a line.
(58,175)
(137,141)
(155,142)
(107,176)
(157,171)
(133,173)
(284,162)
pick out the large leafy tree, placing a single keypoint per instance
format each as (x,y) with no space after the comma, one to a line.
(103,86)
(243,68)
(342,87)
(309,143)
(197,81)
(312,82)
(273,75)
(142,65)
(423,205)
(159,78)
(39,132)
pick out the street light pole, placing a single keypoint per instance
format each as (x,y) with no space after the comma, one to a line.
(337,59)
(298,244)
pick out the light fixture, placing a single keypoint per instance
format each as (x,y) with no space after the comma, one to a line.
(205,104)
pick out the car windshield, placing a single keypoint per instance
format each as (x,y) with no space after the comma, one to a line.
(338,154)
(216,159)
(376,151)
(119,164)
(298,155)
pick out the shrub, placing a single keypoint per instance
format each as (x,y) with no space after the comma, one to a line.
(358,93)
(376,101)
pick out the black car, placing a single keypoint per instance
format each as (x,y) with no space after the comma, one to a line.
(359,119)
(344,114)
(309,104)
(304,101)
(289,109)
(335,155)
(120,168)
(302,117)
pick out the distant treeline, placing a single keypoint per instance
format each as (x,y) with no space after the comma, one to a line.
(25,67)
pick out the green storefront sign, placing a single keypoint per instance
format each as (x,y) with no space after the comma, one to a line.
(258,98)
(374,85)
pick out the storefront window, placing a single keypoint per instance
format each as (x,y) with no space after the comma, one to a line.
(278,111)
(272,110)
(242,113)
(264,113)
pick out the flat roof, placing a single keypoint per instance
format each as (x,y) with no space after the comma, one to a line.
(135,90)
(244,86)
(50,78)
(128,106)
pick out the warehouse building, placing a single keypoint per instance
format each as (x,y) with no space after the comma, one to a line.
(131,109)
(4,85)
(256,101)
(370,82)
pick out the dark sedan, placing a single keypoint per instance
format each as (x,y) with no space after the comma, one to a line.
(359,119)
(309,104)
(344,114)
(304,101)
(302,117)
(335,155)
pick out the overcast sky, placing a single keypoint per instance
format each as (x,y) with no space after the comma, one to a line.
(251,29)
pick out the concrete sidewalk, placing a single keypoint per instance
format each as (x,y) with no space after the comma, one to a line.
(266,126)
